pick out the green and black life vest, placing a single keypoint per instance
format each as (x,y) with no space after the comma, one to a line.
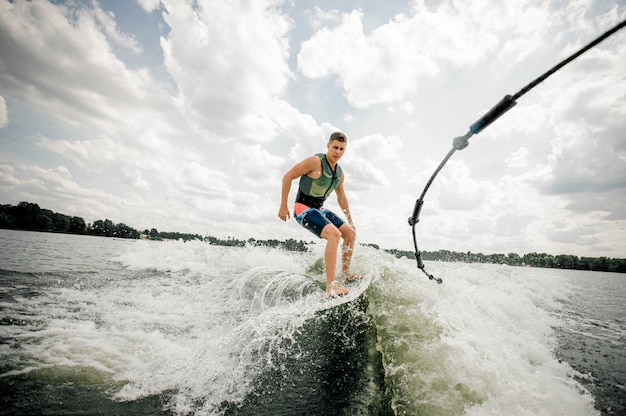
(313,192)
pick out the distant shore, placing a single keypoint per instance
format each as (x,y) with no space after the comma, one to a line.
(28,216)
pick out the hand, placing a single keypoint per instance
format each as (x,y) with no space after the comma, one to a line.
(283,213)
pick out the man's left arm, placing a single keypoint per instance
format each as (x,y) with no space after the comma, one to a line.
(342,199)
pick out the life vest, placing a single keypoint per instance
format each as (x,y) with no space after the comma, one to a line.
(313,192)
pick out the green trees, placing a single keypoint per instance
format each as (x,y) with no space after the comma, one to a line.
(178,236)
(29,216)
(561,261)
(289,244)
(107,228)
(77,225)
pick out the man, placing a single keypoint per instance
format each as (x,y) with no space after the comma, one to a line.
(319,176)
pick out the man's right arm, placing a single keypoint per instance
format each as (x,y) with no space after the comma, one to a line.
(283,212)
(302,168)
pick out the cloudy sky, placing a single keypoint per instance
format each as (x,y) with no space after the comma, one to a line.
(184,115)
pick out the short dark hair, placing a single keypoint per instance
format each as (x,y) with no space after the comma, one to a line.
(339,136)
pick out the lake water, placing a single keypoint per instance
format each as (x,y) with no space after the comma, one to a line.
(92,325)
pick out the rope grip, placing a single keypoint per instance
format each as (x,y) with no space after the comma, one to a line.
(492,115)
(414,219)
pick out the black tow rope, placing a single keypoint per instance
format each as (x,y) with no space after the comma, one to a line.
(461,142)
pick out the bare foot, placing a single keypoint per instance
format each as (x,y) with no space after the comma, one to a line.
(351,277)
(333,290)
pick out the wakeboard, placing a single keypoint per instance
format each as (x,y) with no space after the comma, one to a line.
(315,273)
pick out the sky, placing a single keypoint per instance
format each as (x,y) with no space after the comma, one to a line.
(184,116)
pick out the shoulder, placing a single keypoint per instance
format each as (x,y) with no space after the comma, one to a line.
(304,167)
(314,160)
(310,163)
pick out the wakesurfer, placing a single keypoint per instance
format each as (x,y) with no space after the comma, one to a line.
(320,175)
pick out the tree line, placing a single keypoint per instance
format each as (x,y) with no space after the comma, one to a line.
(561,261)
(29,216)
(289,244)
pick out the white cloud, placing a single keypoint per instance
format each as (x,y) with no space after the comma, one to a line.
(55,189)
(588,112)
(107,20)
(148,167)
(458,191)
(63,66)
(373,70)
(519,158)
(376,147)
(7,179)
(229,61)
(149,5)
(408,108)
(320,18)
(257,166)
(4,114)
(384,66)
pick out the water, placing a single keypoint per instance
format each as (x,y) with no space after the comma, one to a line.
(91,325)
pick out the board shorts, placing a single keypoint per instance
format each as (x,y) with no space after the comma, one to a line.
(315,220)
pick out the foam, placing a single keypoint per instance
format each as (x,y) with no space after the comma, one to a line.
(480,344)
(196,322)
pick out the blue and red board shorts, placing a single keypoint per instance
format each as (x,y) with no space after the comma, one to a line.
(314,219)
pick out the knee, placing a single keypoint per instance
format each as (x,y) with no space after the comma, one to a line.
(349,235)
(332,234)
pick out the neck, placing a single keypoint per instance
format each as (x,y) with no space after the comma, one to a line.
(332,164)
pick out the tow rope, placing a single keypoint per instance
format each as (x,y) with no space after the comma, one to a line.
(461,142)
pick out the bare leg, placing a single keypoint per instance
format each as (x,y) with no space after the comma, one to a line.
(332,236)
(349,237)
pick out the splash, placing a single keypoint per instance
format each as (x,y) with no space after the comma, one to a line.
(216,330)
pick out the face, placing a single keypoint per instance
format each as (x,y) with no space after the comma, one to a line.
(335,150)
